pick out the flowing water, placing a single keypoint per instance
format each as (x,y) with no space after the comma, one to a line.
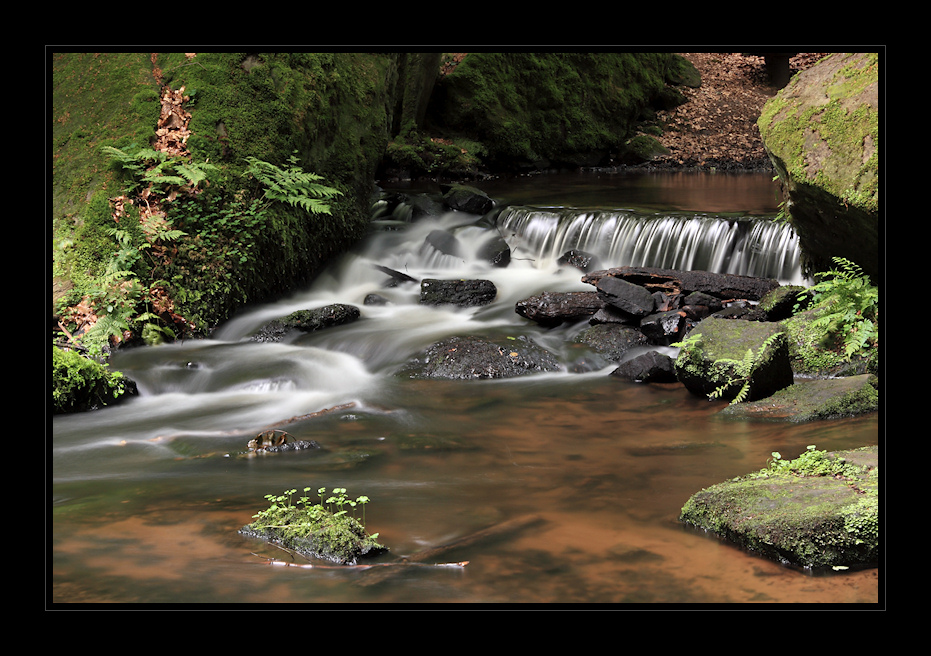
(589,471)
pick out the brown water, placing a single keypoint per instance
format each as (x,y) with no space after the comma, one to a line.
(148,496)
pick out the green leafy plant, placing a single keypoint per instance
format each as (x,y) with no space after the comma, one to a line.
(155,167)
(293,185)
(847,307)
(299,516)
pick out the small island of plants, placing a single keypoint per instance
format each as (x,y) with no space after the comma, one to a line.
(328,530)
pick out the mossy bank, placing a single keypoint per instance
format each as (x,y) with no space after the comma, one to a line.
(342,116)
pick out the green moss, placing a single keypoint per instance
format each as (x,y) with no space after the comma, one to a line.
(839,171)
(80,384)
(820,510)
(549,106)
(331,108)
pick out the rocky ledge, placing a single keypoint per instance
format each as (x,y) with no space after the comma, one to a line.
(819,511)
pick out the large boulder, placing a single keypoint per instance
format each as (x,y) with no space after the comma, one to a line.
(745,360)
(818,511)
(821,133)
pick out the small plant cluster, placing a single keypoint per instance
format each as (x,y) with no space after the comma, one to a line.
(847,306)
(812,462)
(300,517)
(321,530)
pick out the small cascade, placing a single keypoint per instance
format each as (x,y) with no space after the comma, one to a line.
(745,246)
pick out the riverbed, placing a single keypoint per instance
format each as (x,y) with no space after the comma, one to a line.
(587,472)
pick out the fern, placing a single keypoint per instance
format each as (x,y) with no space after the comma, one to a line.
(293,185)
(157,167)
(847,306)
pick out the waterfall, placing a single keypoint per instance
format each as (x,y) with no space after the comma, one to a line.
(746,246)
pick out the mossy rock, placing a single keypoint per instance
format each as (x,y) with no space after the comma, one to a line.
(341,540)
(471,357)
(810,400)
(733,358)
(818,511)
(821,133)
(328,316)
(79,383)
(314,531)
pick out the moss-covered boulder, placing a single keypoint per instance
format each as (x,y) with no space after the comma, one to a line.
(79,383)
(735,359)
(820,510)
(822,134)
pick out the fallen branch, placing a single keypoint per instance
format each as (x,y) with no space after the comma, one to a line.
(399,563)
(335,408)
(497,530)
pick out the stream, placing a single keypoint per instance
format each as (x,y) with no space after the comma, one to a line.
(148,496)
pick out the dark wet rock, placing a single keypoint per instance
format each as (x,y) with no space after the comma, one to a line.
(444,242)
(555,308)
(665,327)
(497,252)
(818,511)
(307,321)
(701,299)
(468,199)
(464,293)
(719,285)
(740,311)
(374,299)
(579,259)
(297,445)
(628,297)
(612,341)
(462,358)
(650,367)
(609,314)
